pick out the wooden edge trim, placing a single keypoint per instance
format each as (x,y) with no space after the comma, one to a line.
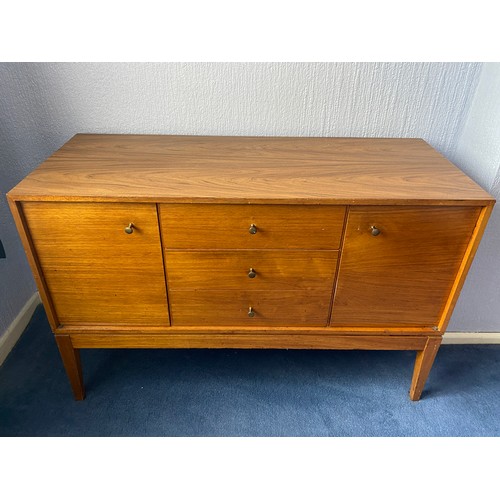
(339,260)
(17,213)
(470,252)
(248,341)
(221,330)
(20,196)
(163,260)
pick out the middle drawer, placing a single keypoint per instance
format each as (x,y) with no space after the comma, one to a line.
(251,270)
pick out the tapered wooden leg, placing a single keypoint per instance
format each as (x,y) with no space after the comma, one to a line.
(423,365)
(71,360)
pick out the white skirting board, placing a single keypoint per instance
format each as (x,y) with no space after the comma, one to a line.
(471,338)
(11,336)
(14,331)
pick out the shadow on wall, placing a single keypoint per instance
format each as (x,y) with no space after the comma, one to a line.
(27,137)
(477,306)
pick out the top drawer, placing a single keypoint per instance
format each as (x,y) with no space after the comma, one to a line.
(251,226)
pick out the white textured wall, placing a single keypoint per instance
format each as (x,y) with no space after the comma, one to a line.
(478,153)
(311,99)
(43,105)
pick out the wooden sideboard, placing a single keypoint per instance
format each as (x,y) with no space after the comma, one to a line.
(249,242)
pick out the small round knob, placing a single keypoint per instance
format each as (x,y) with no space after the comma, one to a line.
(375,231)
(252,229)
(251,312)
(252,273)
(130,228)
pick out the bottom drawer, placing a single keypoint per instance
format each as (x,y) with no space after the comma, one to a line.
(277,308)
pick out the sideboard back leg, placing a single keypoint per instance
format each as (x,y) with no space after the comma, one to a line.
(423,365)
(71,361)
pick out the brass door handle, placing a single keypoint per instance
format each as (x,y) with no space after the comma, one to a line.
(130,228)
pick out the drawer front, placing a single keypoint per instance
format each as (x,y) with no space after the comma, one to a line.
(251,269)
(192,226)
(231,308)
(404,275)
(94,271)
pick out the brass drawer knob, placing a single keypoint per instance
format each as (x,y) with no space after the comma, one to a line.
(130,228)
(252,273)
(252,229)
(375,230)
(251,312)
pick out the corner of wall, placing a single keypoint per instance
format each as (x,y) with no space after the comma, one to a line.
(13,333)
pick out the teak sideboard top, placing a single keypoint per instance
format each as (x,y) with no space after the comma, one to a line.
(266,170)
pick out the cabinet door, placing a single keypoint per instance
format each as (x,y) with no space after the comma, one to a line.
(95,272)
(403,275)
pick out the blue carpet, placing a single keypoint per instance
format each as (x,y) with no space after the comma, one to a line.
(136,392)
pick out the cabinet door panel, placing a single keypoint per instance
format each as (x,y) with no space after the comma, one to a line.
(402,276)
(95,272)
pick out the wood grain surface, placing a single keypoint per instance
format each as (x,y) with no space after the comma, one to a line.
(94,271)
(249,169)
(230,307)
(196,226)
(192,200)
(24,234)
(138,330)
(247,341)
(404,275)
(274,269)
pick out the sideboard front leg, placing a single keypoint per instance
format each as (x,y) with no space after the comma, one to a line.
(423,365)
(71,360)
